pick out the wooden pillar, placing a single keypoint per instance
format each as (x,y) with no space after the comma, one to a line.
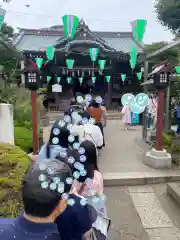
(167,109)
(160,120)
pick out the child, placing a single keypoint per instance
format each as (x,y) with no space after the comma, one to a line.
(126,118)
(134,120)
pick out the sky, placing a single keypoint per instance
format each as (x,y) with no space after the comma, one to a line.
(114,15)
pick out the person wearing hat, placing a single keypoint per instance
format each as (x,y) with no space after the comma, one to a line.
(43,201)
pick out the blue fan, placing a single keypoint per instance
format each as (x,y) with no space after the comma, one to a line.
(142,99)
(135,108)
(127,99)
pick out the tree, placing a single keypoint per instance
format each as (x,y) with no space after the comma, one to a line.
(168,12)
(9,56)
(170,55)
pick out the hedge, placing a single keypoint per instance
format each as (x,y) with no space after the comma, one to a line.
(23,138)
(13,164)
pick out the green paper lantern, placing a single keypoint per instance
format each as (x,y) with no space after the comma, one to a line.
(133,58)
(58,79)
(48,78)
(69,80)
(70,63)
(70,23)
(123,77)
(93,79)
(50,52)
(108,79)
(139,75)
(177,69)
(93,53)
(138,29)
(2,16)
(81,80)
(102,64)
(39,62)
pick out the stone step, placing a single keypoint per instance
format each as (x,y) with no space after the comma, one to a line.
(173,189)
(140,178)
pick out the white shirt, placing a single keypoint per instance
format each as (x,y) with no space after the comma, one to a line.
(88,132)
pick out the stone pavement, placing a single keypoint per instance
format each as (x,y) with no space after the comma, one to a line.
(143,213)
(121,162)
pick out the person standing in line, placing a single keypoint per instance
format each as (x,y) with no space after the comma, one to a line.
(104,117)
(97,113)
(41,205)
(126,117)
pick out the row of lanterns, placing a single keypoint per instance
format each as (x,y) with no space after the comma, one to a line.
(93,78)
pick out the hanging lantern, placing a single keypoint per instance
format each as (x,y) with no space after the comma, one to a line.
(139,75)
(133,58)
(70,63)
(138,29)
(39,62)
(2,16)
(58,79)
(69,80)
(50,53)
(81,80)
(48,78)
(93,79)
(93,53)
(108,79)
(70,23)
(123,77)
(102,64)
(177,69)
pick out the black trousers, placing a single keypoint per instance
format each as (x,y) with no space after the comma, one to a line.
(102,131)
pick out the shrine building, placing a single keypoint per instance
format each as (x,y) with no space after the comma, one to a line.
(114,47)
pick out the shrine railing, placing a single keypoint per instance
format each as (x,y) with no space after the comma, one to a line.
(58,107)
(63,106)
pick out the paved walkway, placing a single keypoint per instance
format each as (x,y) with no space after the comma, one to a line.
(122,151)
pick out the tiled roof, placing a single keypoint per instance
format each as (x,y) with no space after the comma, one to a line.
(39,40)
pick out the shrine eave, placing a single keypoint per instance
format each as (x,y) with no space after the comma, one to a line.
(34,40)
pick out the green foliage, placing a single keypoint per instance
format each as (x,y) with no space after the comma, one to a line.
(175,92)
(23,138)
(21,100)
(13,165)
(168,12)
(167,140)
(170,55)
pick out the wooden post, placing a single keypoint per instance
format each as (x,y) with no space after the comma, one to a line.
(167,110)
(160,120)
(34,122)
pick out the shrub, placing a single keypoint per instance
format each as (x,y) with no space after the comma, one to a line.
(13,164)
(167,140)
(23,138)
